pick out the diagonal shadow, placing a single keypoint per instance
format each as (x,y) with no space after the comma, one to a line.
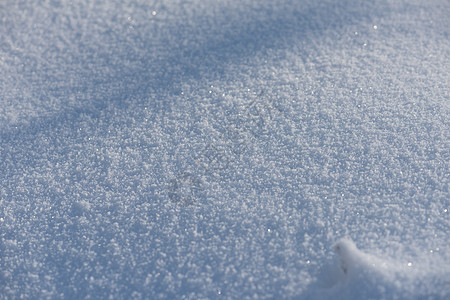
(193,51)
(127,74)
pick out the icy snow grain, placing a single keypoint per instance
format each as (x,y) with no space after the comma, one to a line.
(205,149)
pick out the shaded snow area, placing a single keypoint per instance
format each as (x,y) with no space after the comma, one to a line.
(293,149)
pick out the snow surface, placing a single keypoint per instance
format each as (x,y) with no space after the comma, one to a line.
(222,149)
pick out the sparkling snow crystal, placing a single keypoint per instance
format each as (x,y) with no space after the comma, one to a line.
(219,149)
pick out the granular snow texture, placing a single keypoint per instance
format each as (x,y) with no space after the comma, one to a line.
(224,149)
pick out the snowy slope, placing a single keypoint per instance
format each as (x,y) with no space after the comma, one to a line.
(224,149)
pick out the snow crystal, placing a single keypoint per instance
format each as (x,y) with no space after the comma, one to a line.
(205,149)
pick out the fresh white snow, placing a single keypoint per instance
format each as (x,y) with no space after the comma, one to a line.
(224,149)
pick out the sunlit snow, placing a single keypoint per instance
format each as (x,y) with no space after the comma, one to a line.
(224,149)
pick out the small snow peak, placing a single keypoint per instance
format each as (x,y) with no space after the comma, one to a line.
(348,254)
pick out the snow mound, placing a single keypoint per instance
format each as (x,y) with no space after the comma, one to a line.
(361,275)
(353,262)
